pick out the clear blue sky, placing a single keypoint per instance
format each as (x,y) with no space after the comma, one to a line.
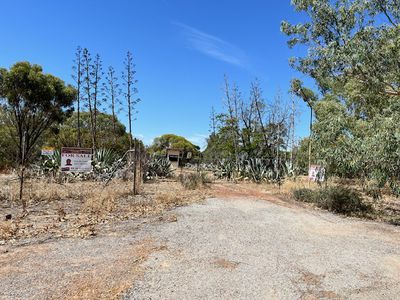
(182,49)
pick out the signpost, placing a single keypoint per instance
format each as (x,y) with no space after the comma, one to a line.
(316,173)
(76,159)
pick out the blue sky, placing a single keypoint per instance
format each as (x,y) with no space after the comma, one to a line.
(182,49)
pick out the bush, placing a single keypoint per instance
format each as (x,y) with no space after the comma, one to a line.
(337,199)
(304,195)
(374,191)
(194,181)
(342,200)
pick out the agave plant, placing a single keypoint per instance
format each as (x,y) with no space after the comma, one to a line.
(257,170)
(158,167)
(225,169)
(289,169)
(104,160)
(52,163)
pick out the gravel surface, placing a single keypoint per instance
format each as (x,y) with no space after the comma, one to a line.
(221,249)
(249,249)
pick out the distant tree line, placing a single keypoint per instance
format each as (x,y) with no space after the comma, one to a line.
(251,128)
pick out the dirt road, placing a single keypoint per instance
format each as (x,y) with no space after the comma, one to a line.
(246,249)
(221,249)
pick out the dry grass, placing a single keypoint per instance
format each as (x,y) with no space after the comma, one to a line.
(75,209)
(8,229)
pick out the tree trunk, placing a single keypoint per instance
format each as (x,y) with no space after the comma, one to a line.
(22,171)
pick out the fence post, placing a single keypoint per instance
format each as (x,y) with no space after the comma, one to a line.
(137,168)
(134,166)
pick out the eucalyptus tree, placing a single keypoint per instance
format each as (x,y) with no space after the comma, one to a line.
(32,101)
(353,54)
(309,97)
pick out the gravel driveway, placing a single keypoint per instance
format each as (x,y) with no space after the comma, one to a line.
(221,249)
(250,249)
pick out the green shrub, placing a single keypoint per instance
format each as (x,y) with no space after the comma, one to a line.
(194,181)
(342,200)
(304,195)
(337,199)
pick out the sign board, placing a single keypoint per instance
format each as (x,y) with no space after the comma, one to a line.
(316,173)
(47,151)
(76,159)
(189,155)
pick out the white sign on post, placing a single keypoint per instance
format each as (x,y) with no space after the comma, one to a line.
(76,159)
(316,173)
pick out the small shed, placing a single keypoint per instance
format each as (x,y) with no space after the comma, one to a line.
(175,156)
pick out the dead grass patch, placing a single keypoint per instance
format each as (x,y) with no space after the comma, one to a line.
(8,229)
(77,209)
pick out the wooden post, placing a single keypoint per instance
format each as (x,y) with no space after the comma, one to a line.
(134,167)
(137,167)
(309,144)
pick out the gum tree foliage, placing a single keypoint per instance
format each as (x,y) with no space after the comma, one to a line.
(353,54)
(7,155)
(32,102)
(67,133)
(161,143)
